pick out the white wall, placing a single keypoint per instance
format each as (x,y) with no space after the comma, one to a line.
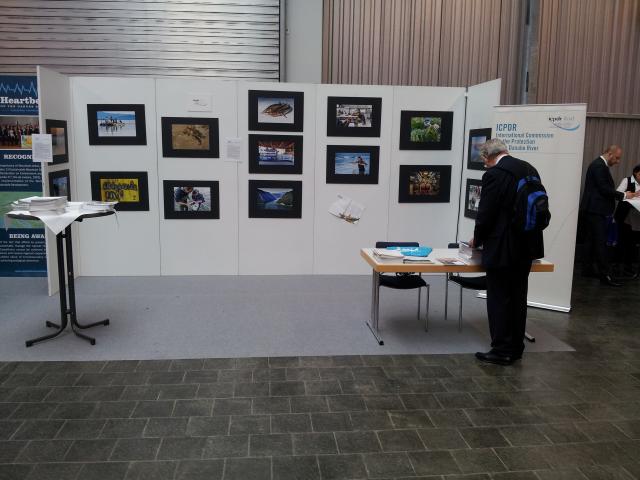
(55,104)
(338,242)
(481,99)
(130,244)
(207,246)
(284,245)
(303,41)
(431,224)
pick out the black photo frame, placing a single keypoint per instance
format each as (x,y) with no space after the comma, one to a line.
(353,164)
(476,138)
(116,124)
(275,154)
(287,196)
(424,184)
(276,111)
(191,199)
(354,116)
(59,140)
(472,197)
(129,189)
(60,184)
(191,137)
(425,130)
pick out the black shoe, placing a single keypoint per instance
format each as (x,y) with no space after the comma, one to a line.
(607,280)
(492,357)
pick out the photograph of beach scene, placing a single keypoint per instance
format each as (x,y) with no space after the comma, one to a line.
(353,116)
(276,110)
(275,199)
(352,163)
(189,137)
(116,123)
(276,152)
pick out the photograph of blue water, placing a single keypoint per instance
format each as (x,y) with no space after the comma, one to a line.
(352,163)
(275,198)
(116,123)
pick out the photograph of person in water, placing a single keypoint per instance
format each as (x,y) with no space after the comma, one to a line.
(352,164)
(276,110)
(192,137)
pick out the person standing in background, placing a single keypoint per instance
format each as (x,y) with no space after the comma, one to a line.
(628,219)
(597,206)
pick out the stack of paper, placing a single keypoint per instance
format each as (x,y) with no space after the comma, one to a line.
(41,204)
(384,253)
(468,253)
(97,206)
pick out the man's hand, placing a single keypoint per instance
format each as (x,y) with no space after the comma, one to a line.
(472,243)
(628,195)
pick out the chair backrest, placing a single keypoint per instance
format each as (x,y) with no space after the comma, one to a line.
(453,245)
(396,244)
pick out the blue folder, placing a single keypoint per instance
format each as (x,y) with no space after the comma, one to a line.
(413,251)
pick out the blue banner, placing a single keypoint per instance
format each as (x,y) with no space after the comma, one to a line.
(22,247)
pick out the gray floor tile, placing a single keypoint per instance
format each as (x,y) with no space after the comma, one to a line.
(226,446)
(478,460)
(123,428)
(314,444)
(197,427)
(357,442)
(244,468)
(55,471)
(128,449)
(483,437)
(331,422)
(200,470)
(270,445)
(400,440)
(341,467)
(524,435)
(14,471)
(44,451)
(151,471)
(181,448)
(442,438)
(246,424)
(433,463)
(104,471)
(388,465)
(37,429)
(291,423)
(90,450)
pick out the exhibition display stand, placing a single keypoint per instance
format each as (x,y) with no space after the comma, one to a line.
(68,313)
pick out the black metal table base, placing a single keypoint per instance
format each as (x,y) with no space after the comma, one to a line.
(67,305)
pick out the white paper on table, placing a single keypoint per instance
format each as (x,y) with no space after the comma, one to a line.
(41,147)
(56,222)
(234,148)
(635,202)
(198,102)
(347,209)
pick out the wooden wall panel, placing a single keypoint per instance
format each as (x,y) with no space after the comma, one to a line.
(234,39)
(424,42)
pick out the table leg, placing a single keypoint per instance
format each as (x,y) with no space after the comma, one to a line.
(375,307)
(446,294)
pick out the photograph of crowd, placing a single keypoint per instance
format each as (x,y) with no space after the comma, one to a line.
(16,131)
(353,116)
(424,183)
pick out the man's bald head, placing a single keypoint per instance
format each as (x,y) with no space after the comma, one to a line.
(612,155)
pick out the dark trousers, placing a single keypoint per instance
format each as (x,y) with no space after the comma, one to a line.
(507,307)
(627,245)
(595,246)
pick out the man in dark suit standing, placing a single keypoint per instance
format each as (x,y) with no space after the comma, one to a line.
(598,202)
(507,253)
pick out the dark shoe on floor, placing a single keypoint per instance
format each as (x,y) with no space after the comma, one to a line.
(492,357)
(607,280)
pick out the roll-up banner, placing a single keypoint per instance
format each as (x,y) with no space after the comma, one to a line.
(22,247)
(551,138)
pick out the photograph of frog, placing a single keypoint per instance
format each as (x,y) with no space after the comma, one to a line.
(190,137)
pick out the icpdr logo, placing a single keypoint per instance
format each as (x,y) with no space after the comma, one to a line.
(565,122)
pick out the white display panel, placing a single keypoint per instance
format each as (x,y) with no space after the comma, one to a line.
(430,224)
(54,94)
(551,138)
(338,242)
(277,246)
(202,246)
(481,99)
(130,244)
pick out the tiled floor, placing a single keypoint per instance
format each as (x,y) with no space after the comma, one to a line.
(553,416)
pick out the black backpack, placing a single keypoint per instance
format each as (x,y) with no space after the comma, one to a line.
(531,205)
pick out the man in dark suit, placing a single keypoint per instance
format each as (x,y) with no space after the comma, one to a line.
(507,253)
(598,202)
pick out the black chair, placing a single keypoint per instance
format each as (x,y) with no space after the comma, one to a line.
(405,281)
(472,283)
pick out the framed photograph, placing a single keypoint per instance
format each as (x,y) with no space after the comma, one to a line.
(276,111)
(352,164)
(425,130)
(116,124)
(353,116)
(424,184)
(60,184)
(472,197)
(129,189)
(16,131)
(476,138)
(275,199)
(59,140)
(191,199)
(190,137)
(275,154)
